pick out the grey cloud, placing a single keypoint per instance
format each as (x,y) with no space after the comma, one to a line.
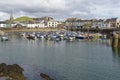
(61,8)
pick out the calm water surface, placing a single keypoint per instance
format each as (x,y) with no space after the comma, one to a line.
(64,60)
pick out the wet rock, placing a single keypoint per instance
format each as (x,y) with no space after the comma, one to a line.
(45,76)
(15,68)
(14,72)
(3,69)
(13,76)
(18,67)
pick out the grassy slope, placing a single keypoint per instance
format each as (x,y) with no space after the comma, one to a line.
(24,19)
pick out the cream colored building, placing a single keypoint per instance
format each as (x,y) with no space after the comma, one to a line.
(52,23)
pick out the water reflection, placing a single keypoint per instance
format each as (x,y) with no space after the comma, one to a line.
(15,36)
(70,60)
(115,47)
(116,51)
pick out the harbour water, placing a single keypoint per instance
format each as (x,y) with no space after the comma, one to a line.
(63,60)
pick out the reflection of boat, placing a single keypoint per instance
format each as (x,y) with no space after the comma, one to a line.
(3,38)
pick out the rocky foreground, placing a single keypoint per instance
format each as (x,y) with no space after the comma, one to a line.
(12,72)
(15,72)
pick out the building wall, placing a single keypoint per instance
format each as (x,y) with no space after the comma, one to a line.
(6,25)
(2,25)
(97,24)
(53,24)
(106,25)
(36,25)
(77,24)
(101,23)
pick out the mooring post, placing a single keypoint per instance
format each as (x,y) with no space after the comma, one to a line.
(118,39)
(115,40)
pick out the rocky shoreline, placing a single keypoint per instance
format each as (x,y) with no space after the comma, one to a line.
(15,72)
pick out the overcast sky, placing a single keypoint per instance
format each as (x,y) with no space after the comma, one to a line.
(60,9)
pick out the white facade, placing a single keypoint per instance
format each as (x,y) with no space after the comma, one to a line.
(2,25)
(36,25)
(12,25)
(53,24)
(5,24)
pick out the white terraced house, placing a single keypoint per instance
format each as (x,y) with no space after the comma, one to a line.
(3,24)
(36,25)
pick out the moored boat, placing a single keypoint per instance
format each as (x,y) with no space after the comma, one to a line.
(4,38)
(30,36)
(81,37)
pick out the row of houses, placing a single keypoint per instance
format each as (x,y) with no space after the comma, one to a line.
(49,24)
(75,23)
(42,22)
(70,23)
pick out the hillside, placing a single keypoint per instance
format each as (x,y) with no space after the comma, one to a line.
(24,19)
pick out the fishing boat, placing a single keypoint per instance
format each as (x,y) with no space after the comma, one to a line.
(55,37)
(40,35)
(30,36)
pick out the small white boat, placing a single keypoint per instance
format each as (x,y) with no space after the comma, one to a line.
(4,38)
